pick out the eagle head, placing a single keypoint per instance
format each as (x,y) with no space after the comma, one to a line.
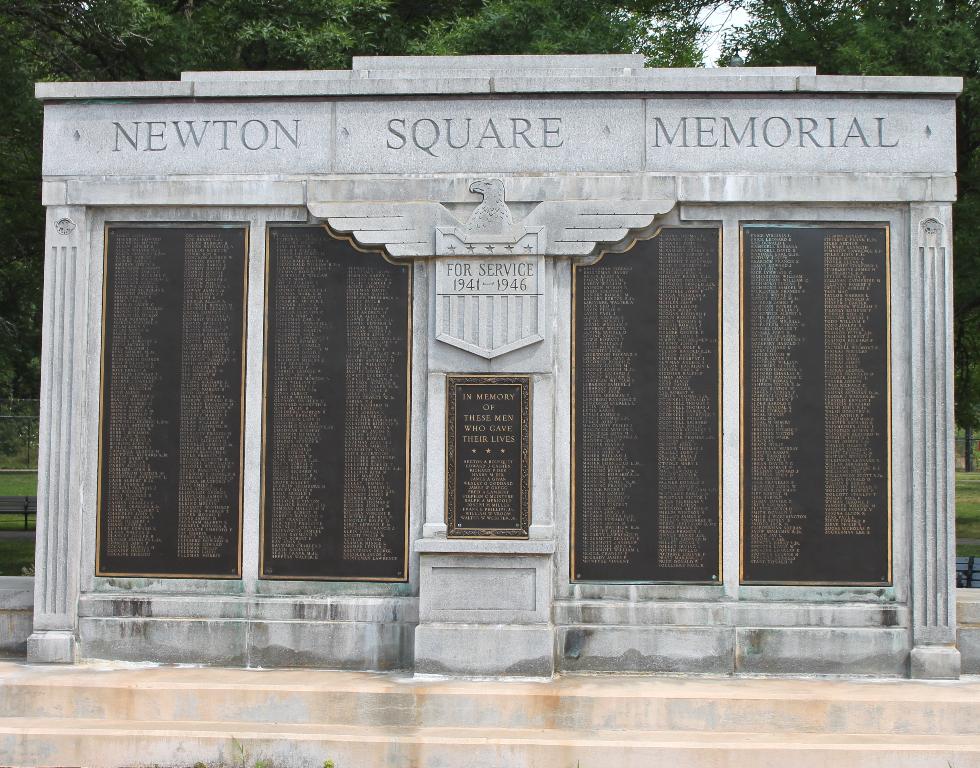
(492,215)
(491,189)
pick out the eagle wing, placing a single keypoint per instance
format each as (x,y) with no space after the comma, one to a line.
(576,227)
(404,229)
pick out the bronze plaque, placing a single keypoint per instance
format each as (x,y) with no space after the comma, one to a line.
(645,389)
(170,454)
(337,391)
(815,400)
(488,457)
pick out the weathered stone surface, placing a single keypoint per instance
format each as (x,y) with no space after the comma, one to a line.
(488,136)
(104,715)
(501,75)
(968,629)
(820,651)
(507,588)
(16,614)
(137,139)
(331,645)
(646,649)
(585,165)
(934,662)
(480,650)
(768,135)
(206,641)
(495,63)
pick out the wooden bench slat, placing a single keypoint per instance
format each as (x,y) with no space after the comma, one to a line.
(19,505)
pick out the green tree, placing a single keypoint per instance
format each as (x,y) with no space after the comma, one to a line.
(157,39)
(896,37)
(21,224)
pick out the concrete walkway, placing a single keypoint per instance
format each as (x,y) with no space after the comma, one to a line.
(107,715)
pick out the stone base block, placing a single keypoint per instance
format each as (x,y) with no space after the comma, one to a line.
(968,641)
(646,649)
(16,614)
(485,582)
(331,645)
(821,651)
(489,650)
(52,647)
(934,662)
(968,630)
(358,645)
(164,640)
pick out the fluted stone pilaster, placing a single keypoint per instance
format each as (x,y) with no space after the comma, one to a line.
(62,397)
(934,653)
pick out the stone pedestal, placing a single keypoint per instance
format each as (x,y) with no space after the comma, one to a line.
(54,647)
(934,662)
(485,608)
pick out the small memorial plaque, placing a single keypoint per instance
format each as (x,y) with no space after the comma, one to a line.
(170,472)
(335,458)
(645,390)
(488,457)
(815,431)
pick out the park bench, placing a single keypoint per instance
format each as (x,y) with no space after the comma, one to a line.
(23,505)
(968,572)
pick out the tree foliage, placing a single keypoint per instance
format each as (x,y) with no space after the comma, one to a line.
(896,37)
(154,39)
(158,39)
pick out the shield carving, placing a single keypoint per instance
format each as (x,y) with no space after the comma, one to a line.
(490,281)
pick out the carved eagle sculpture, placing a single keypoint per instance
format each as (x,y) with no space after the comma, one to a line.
(492,215)
(407,228)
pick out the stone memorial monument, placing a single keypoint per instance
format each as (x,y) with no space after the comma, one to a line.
(499,365)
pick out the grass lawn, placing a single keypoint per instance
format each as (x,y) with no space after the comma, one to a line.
(15,555)
(18,483)
(16,522)
(967,511)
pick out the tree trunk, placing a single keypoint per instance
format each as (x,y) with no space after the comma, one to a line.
(968,449)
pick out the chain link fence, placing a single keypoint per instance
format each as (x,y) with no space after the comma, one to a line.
(19,421)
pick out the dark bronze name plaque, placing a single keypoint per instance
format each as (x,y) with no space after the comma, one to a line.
(645,393)
(815,419)
(337,390)
(170,457)
(488,457)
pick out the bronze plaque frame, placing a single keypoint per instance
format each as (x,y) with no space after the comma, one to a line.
(409,352)
(455,526)
(743,395)
(104,323)
(719,404)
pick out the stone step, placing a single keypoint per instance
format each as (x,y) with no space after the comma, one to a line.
(109,744)
(135,694)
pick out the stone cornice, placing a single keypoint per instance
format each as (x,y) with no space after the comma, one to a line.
(518,75)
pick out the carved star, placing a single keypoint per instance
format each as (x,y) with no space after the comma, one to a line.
(528,247)
(472,450)
(489,249)
(488,450)
(470,248)
(451,249)
(509,247)
(502,450)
